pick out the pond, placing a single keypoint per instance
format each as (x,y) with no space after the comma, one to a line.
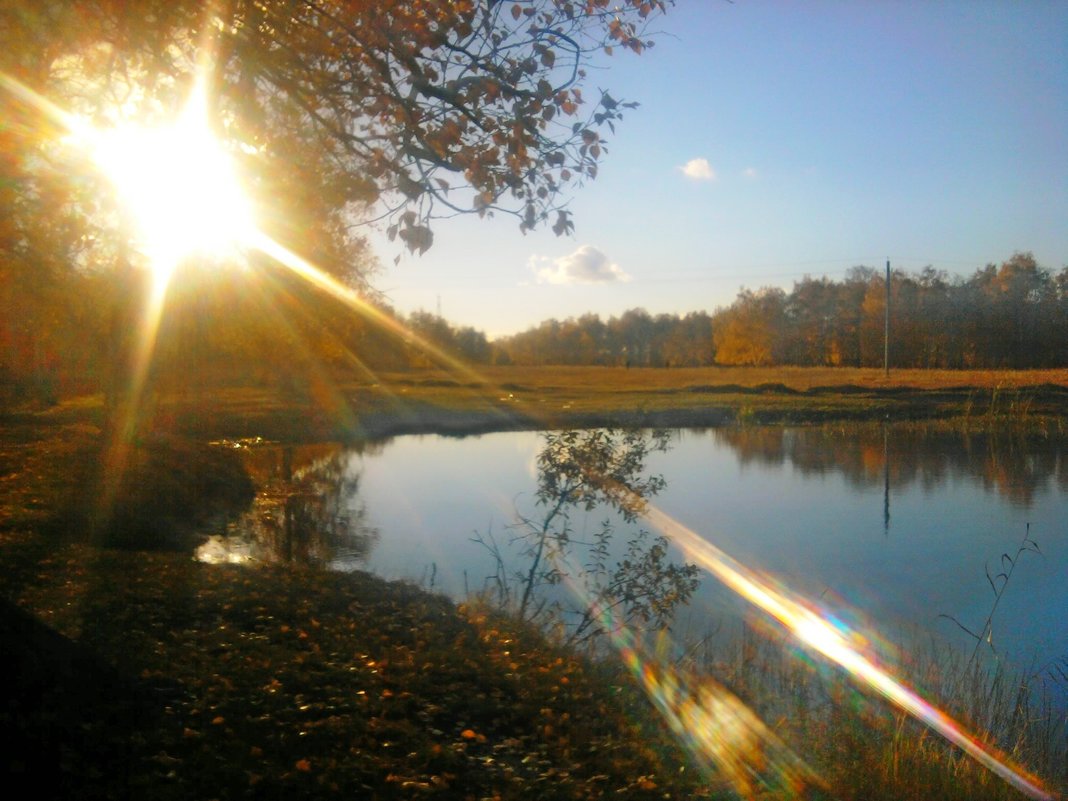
(895,527)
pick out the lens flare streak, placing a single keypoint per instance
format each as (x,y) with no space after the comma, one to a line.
(710,721)
(812,629)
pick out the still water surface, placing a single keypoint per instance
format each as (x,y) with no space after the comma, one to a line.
(895,527)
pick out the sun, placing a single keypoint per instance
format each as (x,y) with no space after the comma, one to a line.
(180,186)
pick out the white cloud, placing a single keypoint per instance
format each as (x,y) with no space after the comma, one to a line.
(749,172)
(587,265)
(698,170)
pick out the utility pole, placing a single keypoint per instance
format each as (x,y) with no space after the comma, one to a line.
(886,333)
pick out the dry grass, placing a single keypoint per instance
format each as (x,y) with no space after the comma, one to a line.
(865,748)
(590,396)
(501,398)
(617,379)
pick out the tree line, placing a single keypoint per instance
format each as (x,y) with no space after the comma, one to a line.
(1012,315)
(634,339)
(56,336)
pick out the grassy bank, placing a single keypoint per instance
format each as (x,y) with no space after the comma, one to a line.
(180,680)
(224,682)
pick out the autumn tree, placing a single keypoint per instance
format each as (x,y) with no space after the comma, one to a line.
(1020,293)
(634,331)
(635,339)
(336,112)
(937,317)
(1059,331)
(688,341)
(813,316)
(749,332)
(422,106)
(850,299)
(458,342)
(1010,315)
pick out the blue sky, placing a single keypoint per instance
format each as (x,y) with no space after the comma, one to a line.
(834,133)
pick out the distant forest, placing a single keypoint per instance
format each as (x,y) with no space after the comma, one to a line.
(1013,315)
(60,332)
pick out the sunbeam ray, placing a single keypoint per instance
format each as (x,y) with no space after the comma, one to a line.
(127,407)
(324,281)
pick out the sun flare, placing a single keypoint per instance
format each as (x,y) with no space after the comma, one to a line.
(180,186)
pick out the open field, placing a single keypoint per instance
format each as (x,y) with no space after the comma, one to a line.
(498,398)
(533,397)
(797,378)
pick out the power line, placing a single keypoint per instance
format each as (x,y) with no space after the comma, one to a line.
(756,275)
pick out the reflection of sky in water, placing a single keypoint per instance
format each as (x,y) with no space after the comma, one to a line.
(805,505)
(816,521)
(429,496)
(824,533)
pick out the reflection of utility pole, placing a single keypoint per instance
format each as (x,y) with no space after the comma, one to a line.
(886,483)
(886,335)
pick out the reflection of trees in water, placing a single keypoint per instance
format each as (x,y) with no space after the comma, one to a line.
(634,585)
(1014,462)
(307,511)
(271,463)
